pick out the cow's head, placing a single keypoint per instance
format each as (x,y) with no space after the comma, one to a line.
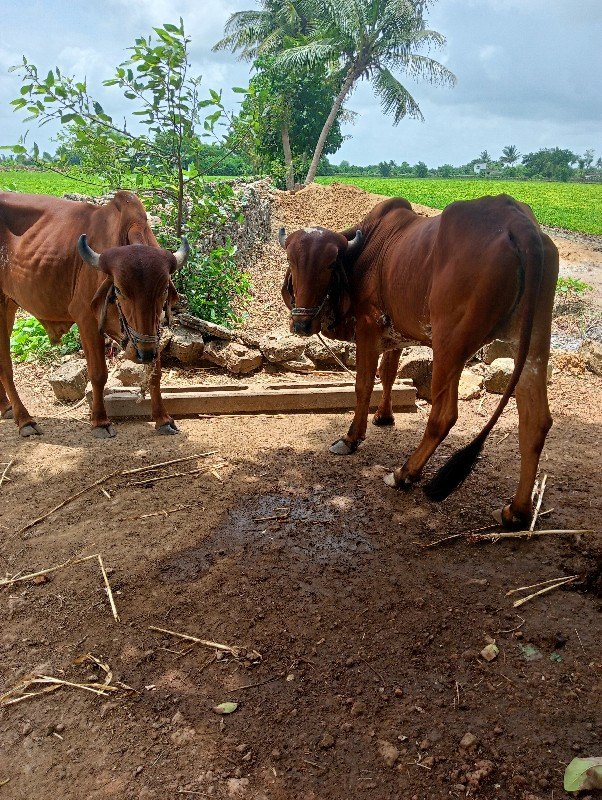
(138,281)
(316,274)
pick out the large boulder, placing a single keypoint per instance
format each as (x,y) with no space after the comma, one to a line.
(416,363)
(278,347)
(186,345)
(129,373)
(208,329)
(236,358)
(497,349)
(301,364)
(591,353)
(321,355)
(470,386)
(69,380)
(498,375)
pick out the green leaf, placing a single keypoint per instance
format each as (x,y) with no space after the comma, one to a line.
(582,774)
(50,78)
(239,90)
(225,708)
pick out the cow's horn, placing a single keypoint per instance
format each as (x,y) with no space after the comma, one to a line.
(356,242)
(282,237)
(182,253)
(88,255)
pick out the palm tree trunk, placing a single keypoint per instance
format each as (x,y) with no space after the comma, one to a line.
(336,107)
(288,158)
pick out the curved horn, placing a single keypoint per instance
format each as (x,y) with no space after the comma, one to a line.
(88,255)
(282,237)
(356,242)
(182,253)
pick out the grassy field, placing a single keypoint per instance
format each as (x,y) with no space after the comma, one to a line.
(575,206)
(46,183)
(55,184)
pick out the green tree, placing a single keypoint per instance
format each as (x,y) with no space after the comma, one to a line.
(553,163)
(510,155)
(172,114)
(369,39)
(280,118)
(257,34)
(421,170)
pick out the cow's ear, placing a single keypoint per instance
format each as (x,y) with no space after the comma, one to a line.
(287,289)
(100,302)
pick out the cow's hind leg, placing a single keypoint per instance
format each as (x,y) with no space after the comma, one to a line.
(444,413)
(534,419)
(10,400)
(387,372)
(6,411)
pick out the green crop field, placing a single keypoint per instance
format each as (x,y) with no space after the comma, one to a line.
(575,206)
(45,183)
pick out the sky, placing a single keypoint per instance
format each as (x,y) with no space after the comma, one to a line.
(529,73)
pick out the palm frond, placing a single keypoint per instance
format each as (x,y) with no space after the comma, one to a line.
(394,98)
(308,55)
(420,67)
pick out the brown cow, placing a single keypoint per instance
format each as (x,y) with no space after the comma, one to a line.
(481,270)
(48,268)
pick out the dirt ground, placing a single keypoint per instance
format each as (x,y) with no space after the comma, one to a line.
(353,650)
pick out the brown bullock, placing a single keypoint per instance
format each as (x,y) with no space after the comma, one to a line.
(99,266)
(481,270)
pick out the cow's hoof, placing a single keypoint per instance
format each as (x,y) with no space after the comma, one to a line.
(390,481)
(341,448)
(382,422)
(510,521)
(104,432)
(31,429)
(8,414)
(169,429)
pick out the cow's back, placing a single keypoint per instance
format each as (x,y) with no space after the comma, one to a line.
(40,266)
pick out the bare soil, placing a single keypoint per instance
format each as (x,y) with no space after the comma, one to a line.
(368,680)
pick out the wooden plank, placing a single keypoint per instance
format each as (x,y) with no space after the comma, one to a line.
(253,399)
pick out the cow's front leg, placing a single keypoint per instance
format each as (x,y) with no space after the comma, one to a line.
(93,344)
(10,402)
(387,372)
(368,350)
(164,423)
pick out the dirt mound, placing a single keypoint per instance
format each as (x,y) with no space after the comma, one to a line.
(336,207)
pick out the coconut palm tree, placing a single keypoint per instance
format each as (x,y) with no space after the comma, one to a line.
(510,154)
(369,39)
(264,31)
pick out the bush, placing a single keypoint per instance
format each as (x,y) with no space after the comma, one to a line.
(29,341)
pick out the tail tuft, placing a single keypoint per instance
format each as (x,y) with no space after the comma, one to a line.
(454,472)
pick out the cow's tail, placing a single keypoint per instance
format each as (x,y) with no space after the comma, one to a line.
(457,468)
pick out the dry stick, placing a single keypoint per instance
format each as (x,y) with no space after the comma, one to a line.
(68,500)
(533,586)
(176,475)
(543,591)
(539,499)
(167,463)
(234,651)
(6,469)
(165,512)
(68,563)
(493,537)
(108,589)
